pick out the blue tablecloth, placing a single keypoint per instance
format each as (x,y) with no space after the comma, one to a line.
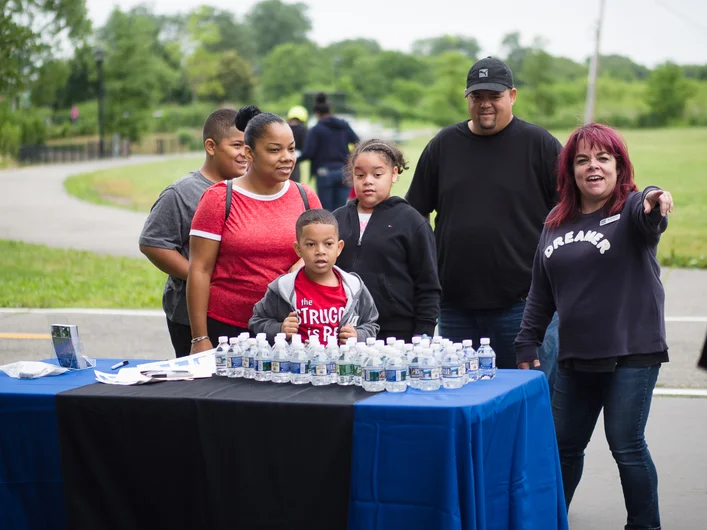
(480,457)
(31,494)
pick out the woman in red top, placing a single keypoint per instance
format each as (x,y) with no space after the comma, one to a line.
(233,257)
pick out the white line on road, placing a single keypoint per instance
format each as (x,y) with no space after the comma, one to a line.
(680,392)
(160,313)
(80,311)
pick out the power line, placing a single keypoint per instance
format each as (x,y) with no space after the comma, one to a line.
(681,16)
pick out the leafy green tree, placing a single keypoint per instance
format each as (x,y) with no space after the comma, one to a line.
(48,87)
(436,46)
(220,76)
(622,68)
(515,54)
(290,68)
(274,22)
(137,76)
(29,30)
(444,101)
(538,77)
(218,30)
(667,94)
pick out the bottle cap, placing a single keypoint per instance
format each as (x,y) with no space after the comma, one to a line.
(485,340)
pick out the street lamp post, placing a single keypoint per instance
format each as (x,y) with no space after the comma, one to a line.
(99,69)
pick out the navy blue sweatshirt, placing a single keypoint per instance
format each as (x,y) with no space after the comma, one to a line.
(327,144)
(397,260)
(601,274)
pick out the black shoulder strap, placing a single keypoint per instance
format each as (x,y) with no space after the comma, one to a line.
(229,198)
(303,193)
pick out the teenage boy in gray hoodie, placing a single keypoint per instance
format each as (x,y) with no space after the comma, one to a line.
(319,300)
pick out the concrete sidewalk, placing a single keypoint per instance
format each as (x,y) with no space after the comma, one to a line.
(35,208)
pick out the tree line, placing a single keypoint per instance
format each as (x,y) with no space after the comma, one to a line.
(163,72)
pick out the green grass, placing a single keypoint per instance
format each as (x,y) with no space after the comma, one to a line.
(39,276)
(670,158)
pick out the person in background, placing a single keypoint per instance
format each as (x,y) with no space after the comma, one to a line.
(297,118)
(389,244)
(236,250)
(165,236)
(319,300)
(491,180)
(596,266)
(327,148)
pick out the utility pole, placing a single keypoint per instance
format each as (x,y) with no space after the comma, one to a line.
(593,71)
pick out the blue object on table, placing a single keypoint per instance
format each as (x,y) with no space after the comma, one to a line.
(480,457)
(31,488)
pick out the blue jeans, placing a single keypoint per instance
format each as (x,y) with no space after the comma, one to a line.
(501,326)
(331,189)
(625,395)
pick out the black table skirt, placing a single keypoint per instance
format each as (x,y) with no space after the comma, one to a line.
(207,454)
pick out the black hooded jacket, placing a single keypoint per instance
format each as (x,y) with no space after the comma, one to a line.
(397,260)
(327,144)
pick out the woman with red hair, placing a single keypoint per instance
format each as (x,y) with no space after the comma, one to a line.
(596,266)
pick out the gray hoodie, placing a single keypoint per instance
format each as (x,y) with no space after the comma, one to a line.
(280,300)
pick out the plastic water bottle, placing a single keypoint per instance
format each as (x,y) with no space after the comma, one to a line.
(345,369)
(359,358)
(249,358)
(487,360)
(332,351)
(234,358)
(299,363)
(452,368)
(280,365)
(263,362)
(318,366)
(396,372)
(414,370)
(373,372)
(430,377)
(472,361)
(220,356)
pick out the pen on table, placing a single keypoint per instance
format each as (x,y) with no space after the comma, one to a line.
(118,365)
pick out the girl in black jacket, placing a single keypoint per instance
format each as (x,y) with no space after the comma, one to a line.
(389,244)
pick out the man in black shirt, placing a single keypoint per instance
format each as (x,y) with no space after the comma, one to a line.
(492,182)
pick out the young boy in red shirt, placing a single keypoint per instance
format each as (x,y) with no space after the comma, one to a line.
(319,300)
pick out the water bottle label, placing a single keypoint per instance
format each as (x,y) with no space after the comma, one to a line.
(299,367)
(220,359)
(415,372)
(280,367)
(487,363)
(235,361)
(345,370)
(331,368)
(430,374)
(246,362)
(472,365)
(263,365)
(319,370)
(452,371)
(373,374)
(396,376)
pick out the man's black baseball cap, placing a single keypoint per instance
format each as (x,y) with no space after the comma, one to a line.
(489,74)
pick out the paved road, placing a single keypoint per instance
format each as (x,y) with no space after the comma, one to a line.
(34,207)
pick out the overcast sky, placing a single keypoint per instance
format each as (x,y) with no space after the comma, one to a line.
(648,31)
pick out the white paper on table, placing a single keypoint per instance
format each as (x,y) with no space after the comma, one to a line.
(125,376)
(199,364)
